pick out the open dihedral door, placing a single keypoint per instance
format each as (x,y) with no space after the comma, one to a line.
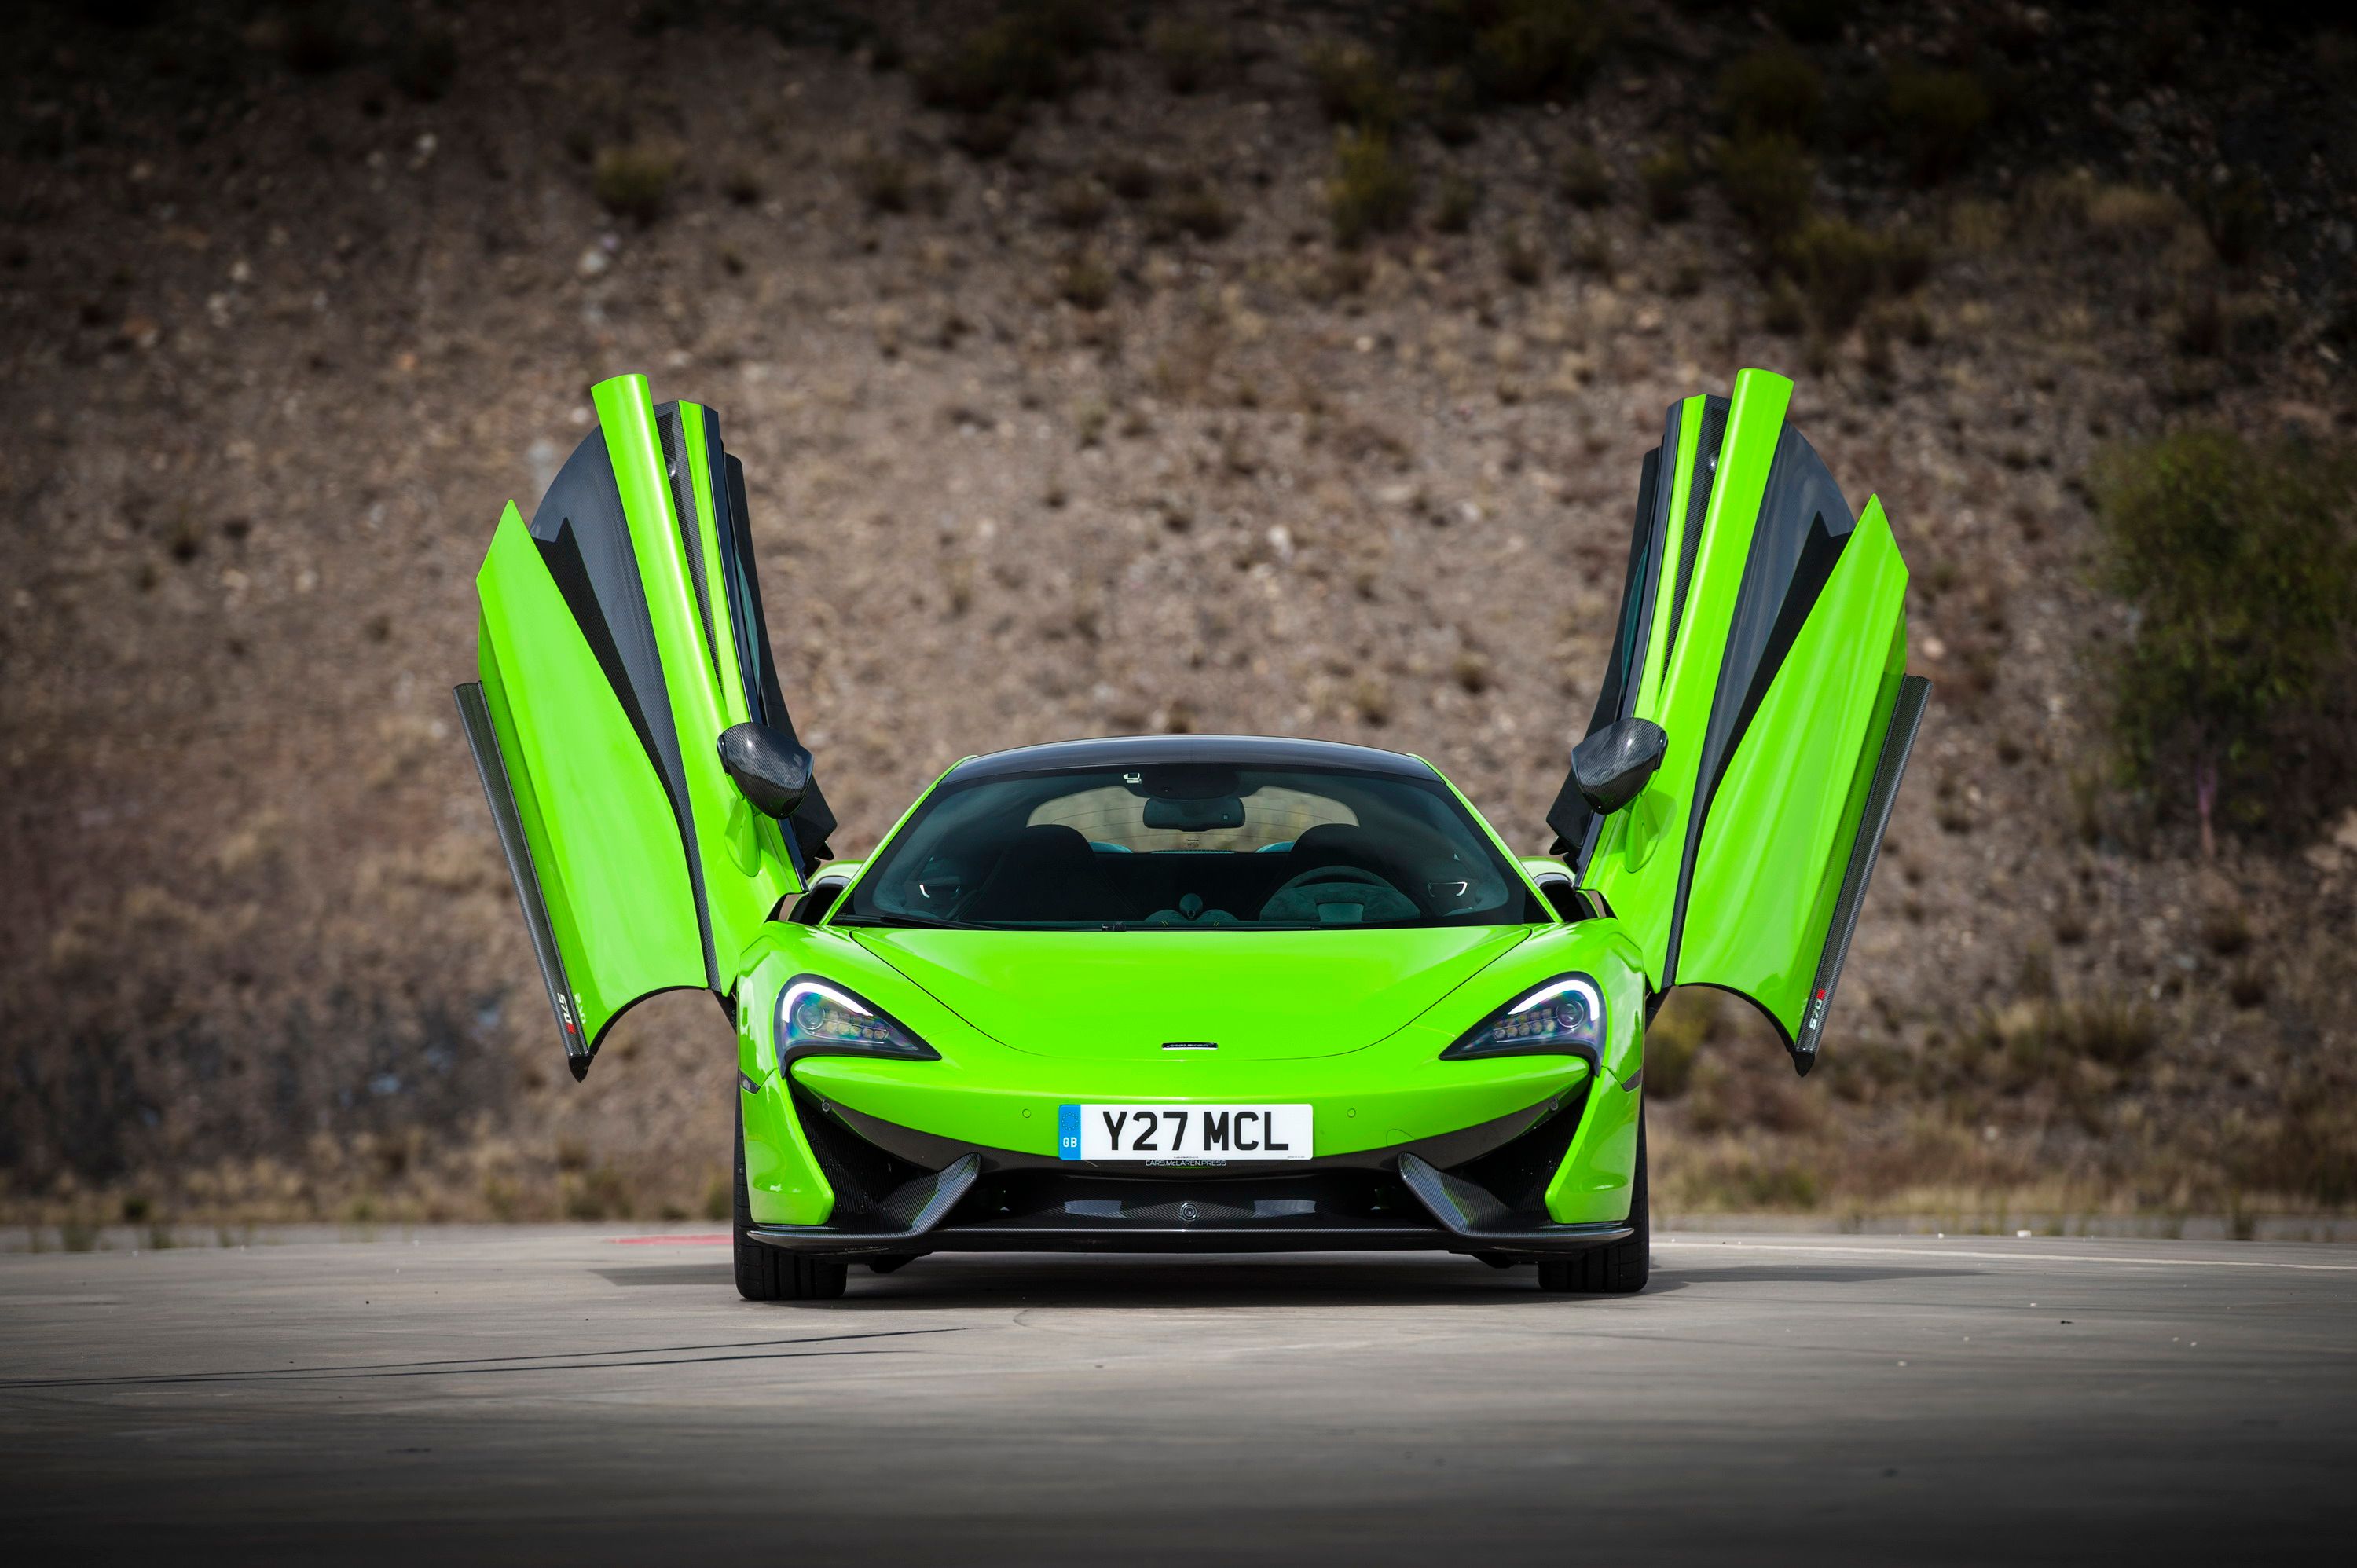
(621,633)
(1764,628)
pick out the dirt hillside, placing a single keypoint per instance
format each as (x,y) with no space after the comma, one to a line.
(1078,403)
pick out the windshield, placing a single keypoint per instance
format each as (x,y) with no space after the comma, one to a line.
(1196,845)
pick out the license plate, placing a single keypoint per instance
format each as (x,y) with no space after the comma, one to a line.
(1183,1133)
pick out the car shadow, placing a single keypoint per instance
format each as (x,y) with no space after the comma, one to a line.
(670,1274)
(968,1281)
(1805,1273)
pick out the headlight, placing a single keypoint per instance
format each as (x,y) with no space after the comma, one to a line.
(817,1018)
(1563,1018)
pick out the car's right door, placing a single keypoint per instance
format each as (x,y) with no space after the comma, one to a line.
(1764,627)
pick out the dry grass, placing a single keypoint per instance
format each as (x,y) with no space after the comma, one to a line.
(1372,190)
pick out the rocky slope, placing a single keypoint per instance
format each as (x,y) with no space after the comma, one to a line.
(1103,431)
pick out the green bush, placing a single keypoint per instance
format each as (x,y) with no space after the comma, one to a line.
(1936,116)
(1772,92)
(1669,179)
(2239,559)
(634,180)
(1768,181)
(1372,190)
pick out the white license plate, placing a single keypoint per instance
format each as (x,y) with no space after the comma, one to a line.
(1183,1133)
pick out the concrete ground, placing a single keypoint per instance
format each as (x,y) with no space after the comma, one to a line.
(562,1395)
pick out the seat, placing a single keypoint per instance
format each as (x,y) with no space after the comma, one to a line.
(1048,875)
(1338,843)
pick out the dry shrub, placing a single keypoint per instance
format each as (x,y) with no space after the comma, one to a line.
(1131,177)
(1356,86)
(1669,178)
(2044,1041)
(1768,181)
(1459,197)
(1936,118)
(1688,1020)
(1372,189)
(1079,202)
(634,180)
(2234,213)
(1192,206)
(1085,280)
(1030,51)
(1521,259)
(1772,92)
(885,181)
(1584,179)
(1526,50)
(1191,54)
(1842,268)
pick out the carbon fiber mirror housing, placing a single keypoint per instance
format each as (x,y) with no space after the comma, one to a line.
(773,772)
(1614,765)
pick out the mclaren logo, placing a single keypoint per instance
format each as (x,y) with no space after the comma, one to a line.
(1190,1044)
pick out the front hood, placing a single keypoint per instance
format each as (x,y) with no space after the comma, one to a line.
(1257,995)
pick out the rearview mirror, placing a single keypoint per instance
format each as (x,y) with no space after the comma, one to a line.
(1612,766)
(773,772)
(1214,815)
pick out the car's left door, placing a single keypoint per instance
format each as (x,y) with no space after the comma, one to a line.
(621,633)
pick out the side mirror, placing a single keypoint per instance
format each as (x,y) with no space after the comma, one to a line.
(1612,766)
(773,772)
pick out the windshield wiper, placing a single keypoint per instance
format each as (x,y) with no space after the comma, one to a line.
(912,922)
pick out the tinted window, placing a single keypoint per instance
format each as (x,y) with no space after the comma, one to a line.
(1193,846)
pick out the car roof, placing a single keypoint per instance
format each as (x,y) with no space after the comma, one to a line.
(1255,751)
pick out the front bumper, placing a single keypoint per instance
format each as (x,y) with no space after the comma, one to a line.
(1483,1190)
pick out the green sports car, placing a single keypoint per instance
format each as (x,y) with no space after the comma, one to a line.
(1191,992)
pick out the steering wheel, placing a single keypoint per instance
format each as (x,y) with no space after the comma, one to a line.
(1355,896)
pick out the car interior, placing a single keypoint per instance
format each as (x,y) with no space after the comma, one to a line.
(1212,848)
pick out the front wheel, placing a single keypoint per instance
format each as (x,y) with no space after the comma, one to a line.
(1621,1268)
(770,1274)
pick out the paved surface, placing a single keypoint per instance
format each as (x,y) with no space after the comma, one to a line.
(474,1395)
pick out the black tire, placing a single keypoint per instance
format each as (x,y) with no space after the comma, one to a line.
(771,1273)
(1619,1269)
